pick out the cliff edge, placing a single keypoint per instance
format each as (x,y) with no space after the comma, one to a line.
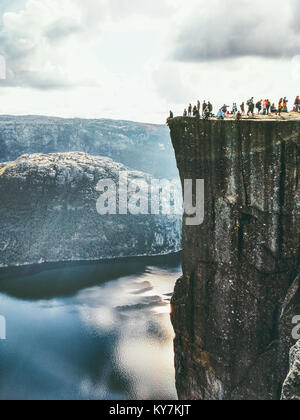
(232,310)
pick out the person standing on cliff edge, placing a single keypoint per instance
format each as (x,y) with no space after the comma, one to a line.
(280,106)
(265,107)
(250,104)
(242,106)
(204,106)
(259,106)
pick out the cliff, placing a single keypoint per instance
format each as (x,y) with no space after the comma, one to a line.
(48,213)
(143,147)
(232,310)
(291,386)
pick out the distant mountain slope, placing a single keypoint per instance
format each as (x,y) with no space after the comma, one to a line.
(48,213)
(144,147)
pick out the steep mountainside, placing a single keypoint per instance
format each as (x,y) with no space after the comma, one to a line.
(233,307)
(48,213)
(144,147)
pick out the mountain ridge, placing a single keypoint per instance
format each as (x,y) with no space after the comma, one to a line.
(141,146)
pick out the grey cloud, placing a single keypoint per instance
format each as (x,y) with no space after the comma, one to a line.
(17,63)
(296,15)
(22,78)
(20,52)
(236,29)
(62,29)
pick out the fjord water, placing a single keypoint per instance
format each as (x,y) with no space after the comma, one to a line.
(93,331)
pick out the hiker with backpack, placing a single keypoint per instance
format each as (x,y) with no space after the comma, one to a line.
(250,104)
(259,106)
(297,104)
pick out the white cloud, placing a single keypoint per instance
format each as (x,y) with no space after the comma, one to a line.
(27,38)
(153,9)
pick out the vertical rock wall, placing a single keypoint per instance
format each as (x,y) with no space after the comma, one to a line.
(232,310)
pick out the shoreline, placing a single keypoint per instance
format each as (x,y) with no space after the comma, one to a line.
(35,268)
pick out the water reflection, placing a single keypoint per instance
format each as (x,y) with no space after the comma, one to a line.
(97,331)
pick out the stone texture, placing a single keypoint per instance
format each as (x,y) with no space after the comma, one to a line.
(291,386)
(48,213)
(144,147)
(232,310)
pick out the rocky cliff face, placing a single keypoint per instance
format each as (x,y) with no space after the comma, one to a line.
(144,147)
(48,213)
(291,386)
(232,310)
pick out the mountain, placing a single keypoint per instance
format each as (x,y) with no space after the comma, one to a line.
(144,147)
(49,213)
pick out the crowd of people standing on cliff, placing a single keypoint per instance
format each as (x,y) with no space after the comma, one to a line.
(262,107)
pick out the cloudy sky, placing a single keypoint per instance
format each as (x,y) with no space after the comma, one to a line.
(136,59)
